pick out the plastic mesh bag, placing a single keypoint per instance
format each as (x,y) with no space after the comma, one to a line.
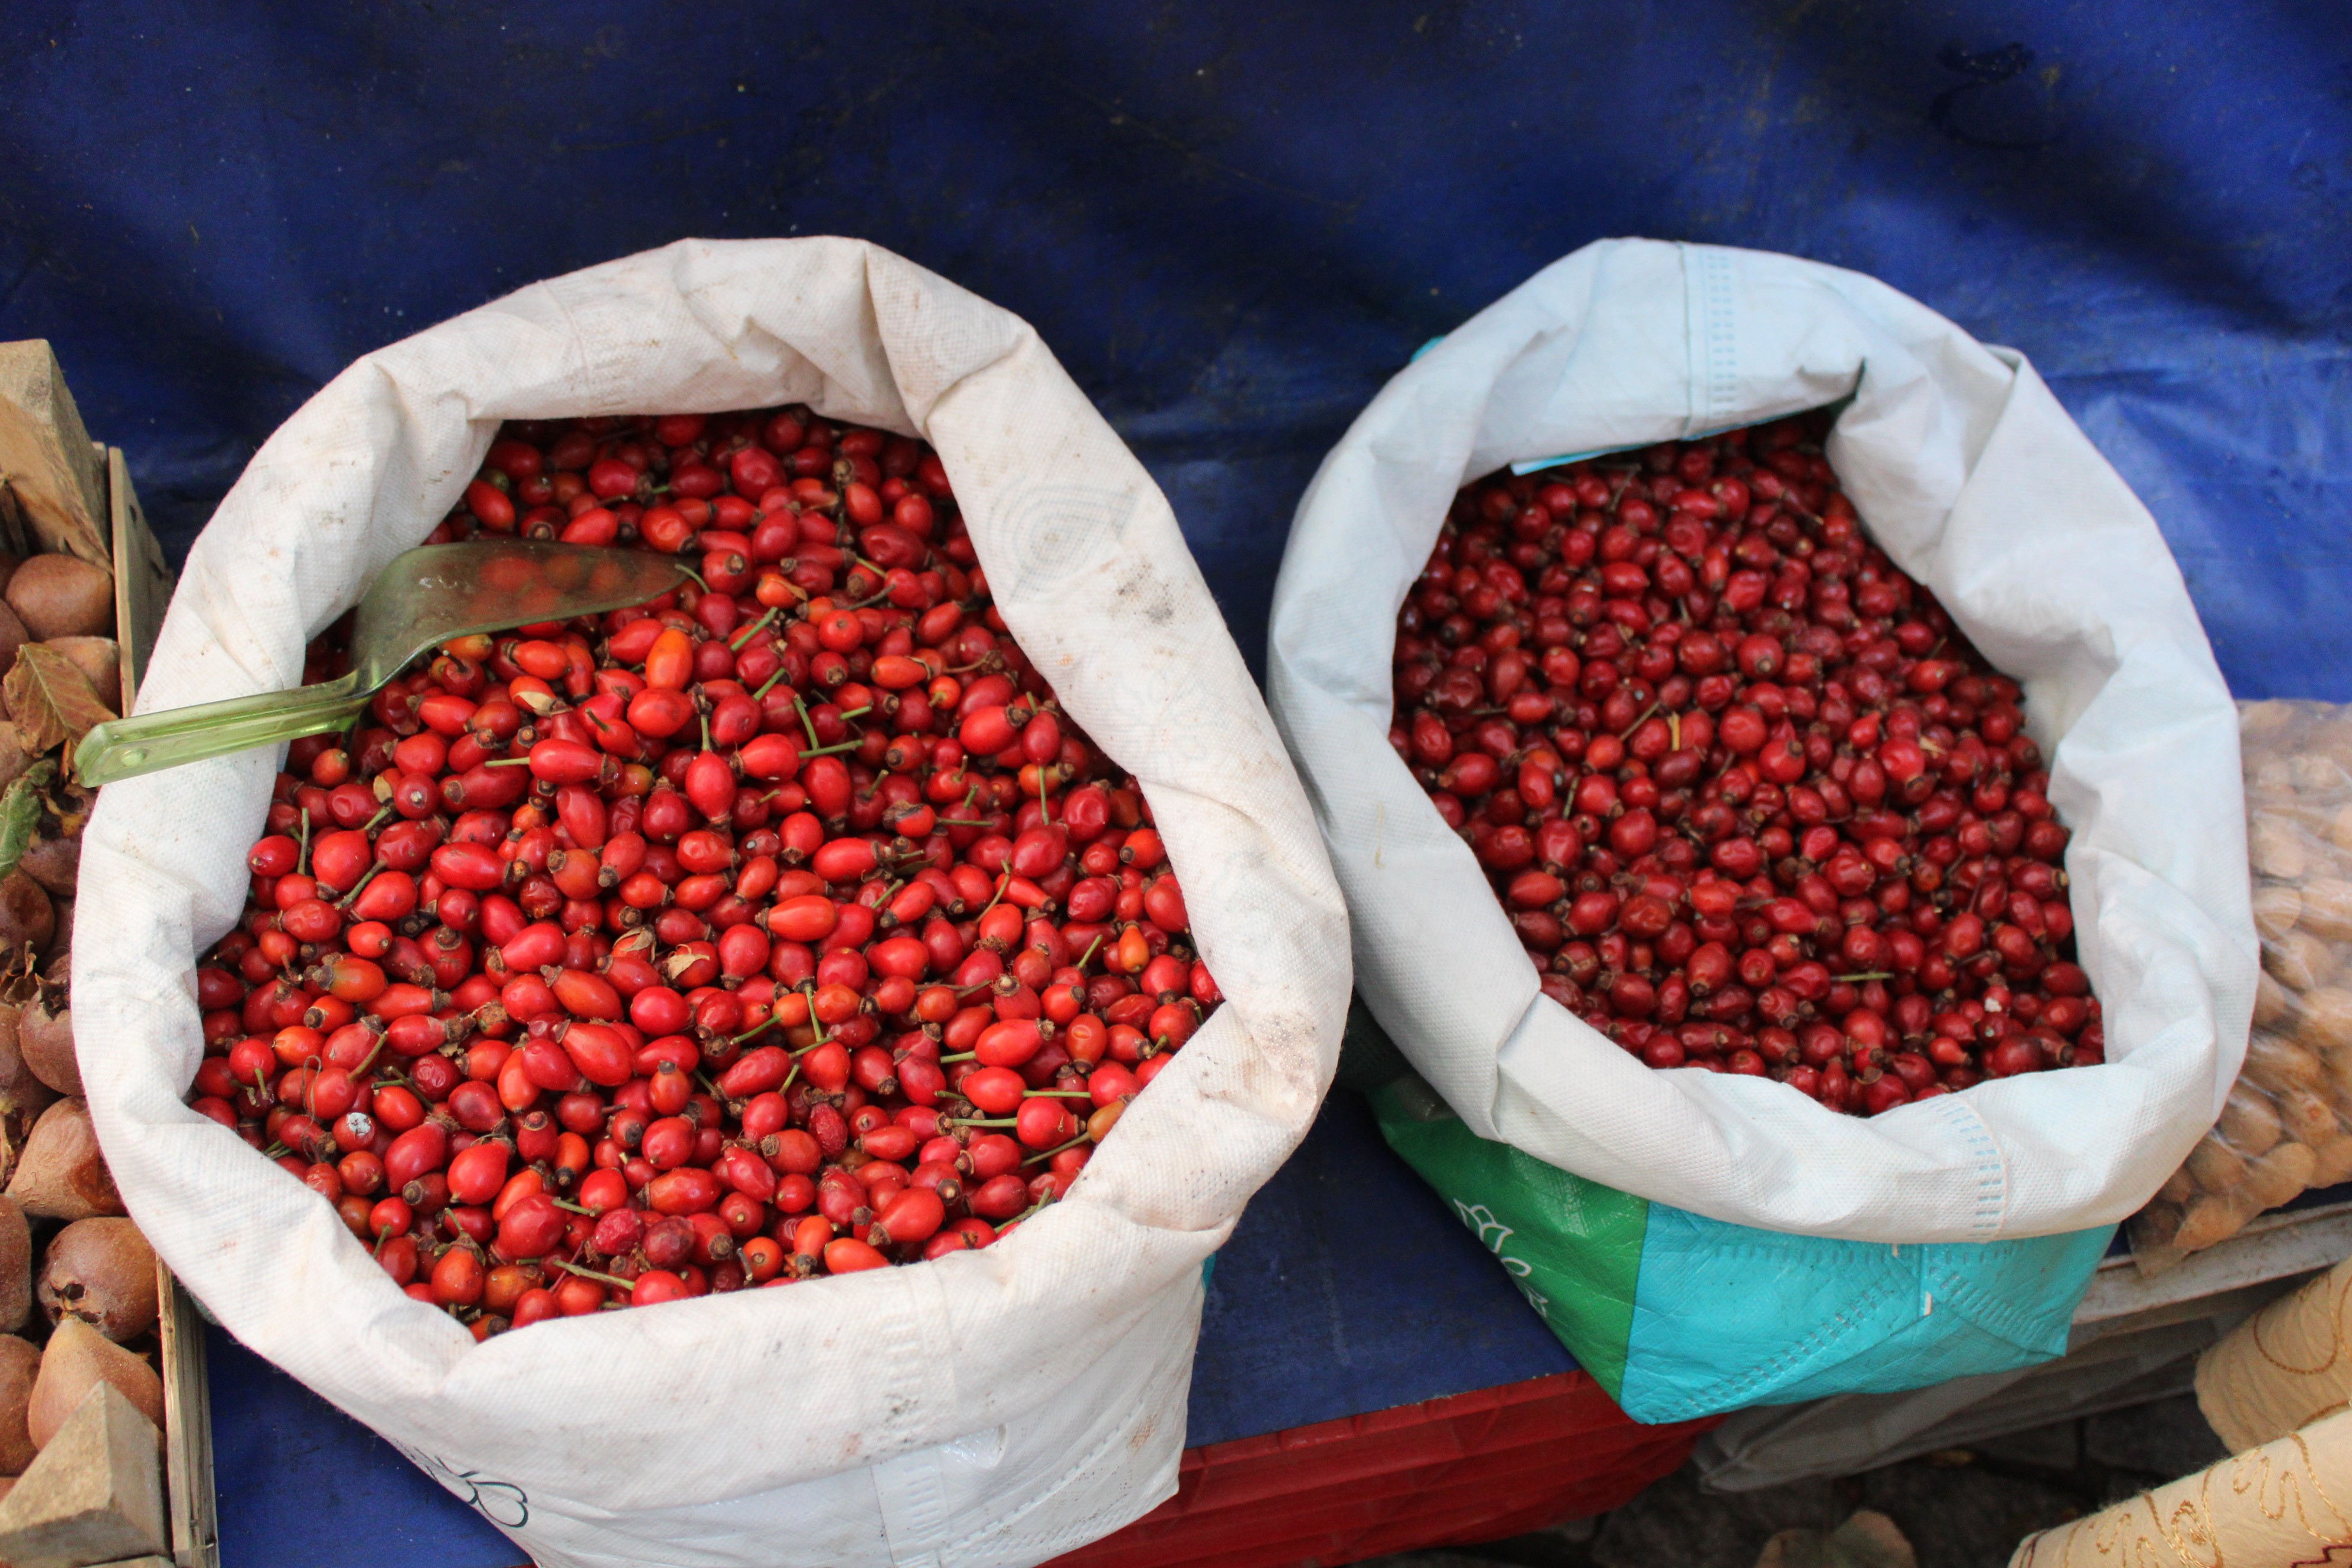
(2287,1123)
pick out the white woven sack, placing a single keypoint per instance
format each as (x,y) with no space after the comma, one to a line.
(994,1408)
(1969,474)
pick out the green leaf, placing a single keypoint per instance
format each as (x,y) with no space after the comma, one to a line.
(20,814)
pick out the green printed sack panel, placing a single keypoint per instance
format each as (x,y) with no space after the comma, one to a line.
(1679,1316)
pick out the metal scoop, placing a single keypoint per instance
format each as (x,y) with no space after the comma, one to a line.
(422,600)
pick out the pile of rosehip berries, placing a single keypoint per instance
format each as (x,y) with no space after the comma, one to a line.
(1753,802)
(778,927)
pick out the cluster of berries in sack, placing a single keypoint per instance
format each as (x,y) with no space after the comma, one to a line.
(1754,803)
(782,926)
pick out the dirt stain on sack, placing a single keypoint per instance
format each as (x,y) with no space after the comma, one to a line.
(1141,591)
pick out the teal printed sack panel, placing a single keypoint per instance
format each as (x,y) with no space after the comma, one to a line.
(1680,1316)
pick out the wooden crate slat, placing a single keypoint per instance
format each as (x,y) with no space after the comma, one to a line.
(188,1428)
(52,471)
(142,580)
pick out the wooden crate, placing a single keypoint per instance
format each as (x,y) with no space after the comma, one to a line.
(187,1429)
(63,492)
(142,588)
(54,475)
(142,581)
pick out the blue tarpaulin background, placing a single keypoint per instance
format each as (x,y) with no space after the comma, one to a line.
(1232,222)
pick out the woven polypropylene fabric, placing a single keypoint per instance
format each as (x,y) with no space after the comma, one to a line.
(1972,477)
(992,1408)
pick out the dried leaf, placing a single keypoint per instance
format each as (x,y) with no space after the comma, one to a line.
(14,758)
(49,700)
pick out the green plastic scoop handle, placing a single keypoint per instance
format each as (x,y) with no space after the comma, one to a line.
(424,598)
